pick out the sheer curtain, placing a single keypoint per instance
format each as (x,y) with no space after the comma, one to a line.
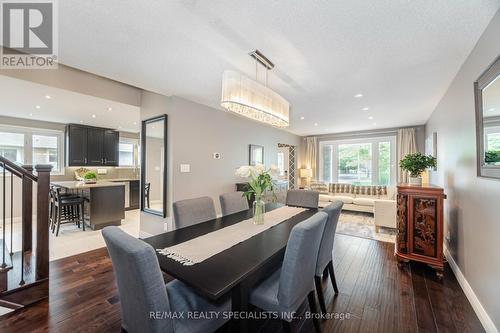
(310,156)
(406,144)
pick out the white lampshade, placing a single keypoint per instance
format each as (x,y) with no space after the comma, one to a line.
(305,173)
(252,99)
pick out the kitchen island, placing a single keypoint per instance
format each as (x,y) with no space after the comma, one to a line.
(105,201)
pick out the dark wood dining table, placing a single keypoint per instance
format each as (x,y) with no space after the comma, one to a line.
(233,271)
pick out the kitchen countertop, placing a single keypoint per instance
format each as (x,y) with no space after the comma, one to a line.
(73,184)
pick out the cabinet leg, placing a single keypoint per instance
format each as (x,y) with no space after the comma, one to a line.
(439,272)
(402,263)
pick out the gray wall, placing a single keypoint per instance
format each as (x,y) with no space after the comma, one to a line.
(195,132)
(472,217)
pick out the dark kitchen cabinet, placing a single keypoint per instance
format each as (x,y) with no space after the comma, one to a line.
(134,194)
(91,146)
(110,147)
(76,143)
(95,140)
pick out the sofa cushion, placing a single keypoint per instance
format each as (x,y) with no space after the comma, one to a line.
(340,188)
(330,198)
(344,198)
(363,201)
(319,187)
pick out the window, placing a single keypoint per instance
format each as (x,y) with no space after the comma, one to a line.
(281,163)
(45,150)
(492,145)
(368,161)
(33,146)
(12,146)
(126,152)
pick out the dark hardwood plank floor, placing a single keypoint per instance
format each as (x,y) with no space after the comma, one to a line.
(374,294)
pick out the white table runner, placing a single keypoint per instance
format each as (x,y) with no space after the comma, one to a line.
(203,247)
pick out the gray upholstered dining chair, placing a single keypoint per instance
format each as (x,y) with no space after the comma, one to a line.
(145,300)
(302,198)
(193,211)
(325,251)
(287,288)
(233,202)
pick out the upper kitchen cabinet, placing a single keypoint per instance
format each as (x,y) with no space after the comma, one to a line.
(76,145)
(91,146)
(110,147)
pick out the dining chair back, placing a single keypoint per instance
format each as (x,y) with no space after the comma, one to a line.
(299,262)
(233,202)
(193,211)
(325,251)
(302,198)
(140,282)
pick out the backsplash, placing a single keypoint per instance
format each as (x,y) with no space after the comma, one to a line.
(112,173)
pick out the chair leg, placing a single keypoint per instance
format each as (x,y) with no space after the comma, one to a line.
(332,277)
(58,223)
(325,273)
(319,291)
(287,327)
(312,306)
(83,215)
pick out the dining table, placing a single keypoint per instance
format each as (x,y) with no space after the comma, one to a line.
(236,270)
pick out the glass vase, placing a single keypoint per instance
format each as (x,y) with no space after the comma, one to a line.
(259,208)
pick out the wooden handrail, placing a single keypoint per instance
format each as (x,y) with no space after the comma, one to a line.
(16,169)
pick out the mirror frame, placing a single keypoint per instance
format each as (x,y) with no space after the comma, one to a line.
(163,117)
(490,74)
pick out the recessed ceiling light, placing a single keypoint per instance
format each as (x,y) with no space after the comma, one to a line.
(370,117)
(48,97)
(327,129)
(358,95)
(37,106)
(491,109)
(135,122)
(31,114)
(110,109)
(315,124)
(374,124)
(93,116)
(365,108)
(81,121)
(302,118)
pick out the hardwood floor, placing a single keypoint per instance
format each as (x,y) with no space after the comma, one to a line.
(374,294)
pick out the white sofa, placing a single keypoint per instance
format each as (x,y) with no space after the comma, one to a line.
(379,200)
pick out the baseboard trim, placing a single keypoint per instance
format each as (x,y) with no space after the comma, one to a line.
(483,316)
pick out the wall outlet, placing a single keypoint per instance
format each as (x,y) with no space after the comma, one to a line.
(102,171)
(217,156)
(185,168)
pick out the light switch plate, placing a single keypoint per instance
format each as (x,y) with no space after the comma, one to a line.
(102,171)
(185,168)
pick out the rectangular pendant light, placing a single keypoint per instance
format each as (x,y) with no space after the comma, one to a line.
(253,100)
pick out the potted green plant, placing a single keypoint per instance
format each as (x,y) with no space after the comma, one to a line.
(90,177)
(415,164)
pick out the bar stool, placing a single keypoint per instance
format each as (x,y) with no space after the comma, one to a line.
(66,209)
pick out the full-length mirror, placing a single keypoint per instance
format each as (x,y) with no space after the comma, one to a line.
(487,91)
(153,166)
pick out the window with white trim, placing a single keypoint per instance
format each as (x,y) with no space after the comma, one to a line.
(127,152)
(368,161)
(33,146)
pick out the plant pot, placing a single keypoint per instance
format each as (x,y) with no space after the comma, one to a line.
(415,181)
(259,208)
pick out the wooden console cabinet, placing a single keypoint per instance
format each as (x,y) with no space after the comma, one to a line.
(420,225)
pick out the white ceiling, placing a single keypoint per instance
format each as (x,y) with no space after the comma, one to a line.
(401,55)
(20,99)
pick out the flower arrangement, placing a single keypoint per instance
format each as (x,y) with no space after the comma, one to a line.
(260,181)
(90,177)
